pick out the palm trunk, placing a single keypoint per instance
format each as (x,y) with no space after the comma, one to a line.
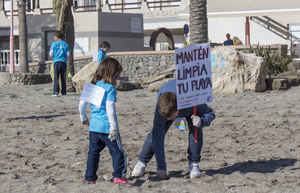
(198,22)
(23,58)
(70,38)
(65,23)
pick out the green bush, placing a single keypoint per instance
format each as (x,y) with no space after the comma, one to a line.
(274,61)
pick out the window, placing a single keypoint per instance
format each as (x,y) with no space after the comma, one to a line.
(7,5)
(30,5)
(90,3)
(49,40)
(75,3)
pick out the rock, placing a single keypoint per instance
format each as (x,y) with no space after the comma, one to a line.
(292,77)
(292,80)
(287,74)
(127,86)
(235,72)
(106,178)
(70,86)
(16,176)
(169,73)
(84,75)
(294,66)
(67,139)
(278,83)
(155,86)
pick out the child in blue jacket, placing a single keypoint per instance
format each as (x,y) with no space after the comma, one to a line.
(103,126)
(104,47)
(60,52)
(166,112)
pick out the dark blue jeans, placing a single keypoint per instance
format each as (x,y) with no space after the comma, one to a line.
(194,149)
(59,71)
(98,141)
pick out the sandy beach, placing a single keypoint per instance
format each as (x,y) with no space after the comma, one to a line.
(253,145)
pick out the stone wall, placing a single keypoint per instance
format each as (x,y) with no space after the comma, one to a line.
(24,78)
(45,68)
(40,68)
(81,62)
(142,64)
(139,66)
(136,65)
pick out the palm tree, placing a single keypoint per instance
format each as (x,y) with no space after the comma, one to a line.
(65,23)
(23,59)
(198,21)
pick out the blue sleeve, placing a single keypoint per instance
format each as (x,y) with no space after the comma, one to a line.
(112,94)
(52,46)
(100,56)
(207,117)
(158,136)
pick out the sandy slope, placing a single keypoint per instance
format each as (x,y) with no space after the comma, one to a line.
(252,146)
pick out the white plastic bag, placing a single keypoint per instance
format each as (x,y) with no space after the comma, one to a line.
(180,123)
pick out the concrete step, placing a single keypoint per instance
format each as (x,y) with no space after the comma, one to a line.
(277,83)
(294,66)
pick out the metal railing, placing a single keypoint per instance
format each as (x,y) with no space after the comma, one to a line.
(162,4)
(30,4)
(272,25)
(5,59)
(125,6)
(113,6)
(87,8)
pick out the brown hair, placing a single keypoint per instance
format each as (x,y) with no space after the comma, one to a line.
(59,34)
(236,41)
(105,44)
(167,104)
(109,70)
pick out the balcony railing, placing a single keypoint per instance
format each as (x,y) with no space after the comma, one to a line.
(112,5)
(154,4)
(5,60)
(125,6)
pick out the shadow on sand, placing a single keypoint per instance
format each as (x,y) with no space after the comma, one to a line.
(35,117)
(153,177)
(267,166)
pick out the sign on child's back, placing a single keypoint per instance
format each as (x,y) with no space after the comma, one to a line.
(193,75)
(92,94)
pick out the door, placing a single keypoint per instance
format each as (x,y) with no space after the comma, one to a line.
(49,40)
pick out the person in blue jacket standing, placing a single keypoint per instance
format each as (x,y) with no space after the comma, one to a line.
(104,47)
(60,52)
(166,112)
(228,41)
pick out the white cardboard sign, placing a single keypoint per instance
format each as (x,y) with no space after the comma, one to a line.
(193,75)
(92,94)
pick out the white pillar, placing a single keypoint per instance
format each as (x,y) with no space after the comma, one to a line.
(12,62)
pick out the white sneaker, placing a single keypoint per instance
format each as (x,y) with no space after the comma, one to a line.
(194,170)
(139,169)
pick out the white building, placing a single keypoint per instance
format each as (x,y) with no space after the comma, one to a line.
(267,21)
